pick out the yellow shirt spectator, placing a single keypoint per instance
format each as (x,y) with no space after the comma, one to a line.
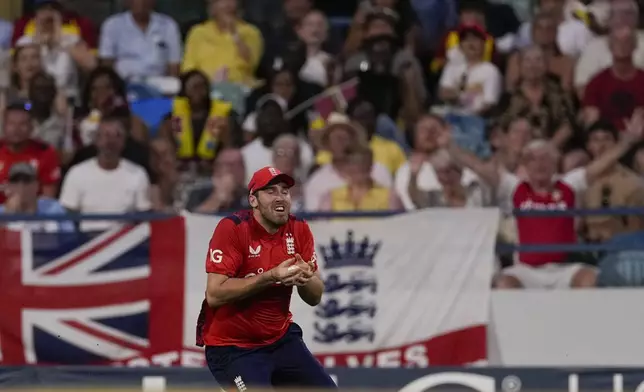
(387,153)
(378,198)
(212,50)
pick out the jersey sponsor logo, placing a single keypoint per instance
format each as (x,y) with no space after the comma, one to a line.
(254,252)
(216,255)
(550,206)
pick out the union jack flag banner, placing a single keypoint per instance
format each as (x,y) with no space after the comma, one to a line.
(101,299)
(131,296)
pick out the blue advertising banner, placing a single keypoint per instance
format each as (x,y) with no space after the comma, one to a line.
(401,380)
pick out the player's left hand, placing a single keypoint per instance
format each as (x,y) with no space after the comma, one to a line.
(307,271)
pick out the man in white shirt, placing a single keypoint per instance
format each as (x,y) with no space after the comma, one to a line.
(107,184)
(141,43)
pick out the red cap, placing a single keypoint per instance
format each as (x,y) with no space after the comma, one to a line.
(267,175)
(475,29)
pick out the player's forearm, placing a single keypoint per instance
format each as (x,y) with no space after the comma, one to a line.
(311,293)
(234,289)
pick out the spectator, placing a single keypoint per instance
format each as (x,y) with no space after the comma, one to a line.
(425,144)
(225,190)
(509,140)
(400,11)
(279,31)
(164,195)
(141,43)
(386,152)
(337,138)
(361,193)
(17,145)
(107,184)
(558,65)
(618,186)
(541,99)
(26,63)
(286,158)
(474,86)
(6,30)
(224,48)
(48,110)
(104,95)
(617,92)
(200,125)
(62,49)
(470,13)
(572,34)
(270,125)
(597,54)
(385,68)
(291,92)
(313,31)
(22,198)
(453,191)
(540,190)
(133,151)
(72,23)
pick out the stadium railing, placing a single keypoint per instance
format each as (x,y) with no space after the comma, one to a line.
(502,248)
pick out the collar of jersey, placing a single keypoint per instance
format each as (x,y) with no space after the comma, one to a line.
(260,231)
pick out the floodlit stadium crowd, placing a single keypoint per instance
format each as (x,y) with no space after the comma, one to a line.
(405,104)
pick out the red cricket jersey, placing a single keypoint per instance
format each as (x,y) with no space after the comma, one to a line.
(548,229)
(40,155)
(241,248)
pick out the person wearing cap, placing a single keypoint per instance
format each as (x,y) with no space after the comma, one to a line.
(449,49)
(17,145)
(73,24)
(339,135)
(380,28)
(254,260)
(475,86)
(22,198)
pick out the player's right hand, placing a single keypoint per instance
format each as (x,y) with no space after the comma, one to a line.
(286,273)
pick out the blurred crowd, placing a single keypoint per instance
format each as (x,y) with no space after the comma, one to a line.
(409,104)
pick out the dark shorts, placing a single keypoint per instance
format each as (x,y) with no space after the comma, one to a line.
(285,363)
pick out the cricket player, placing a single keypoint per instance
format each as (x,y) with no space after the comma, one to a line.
(255,259)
